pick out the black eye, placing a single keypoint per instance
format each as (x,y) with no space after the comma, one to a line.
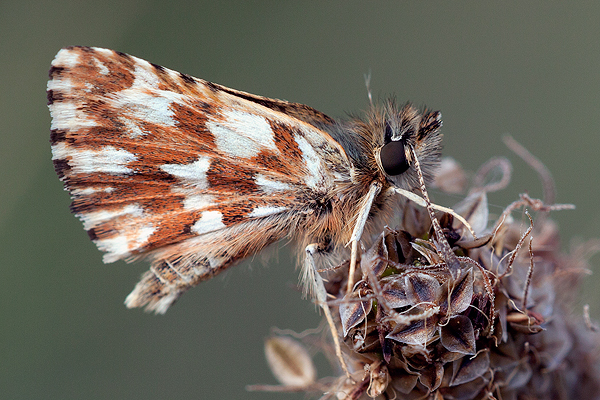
(393,158)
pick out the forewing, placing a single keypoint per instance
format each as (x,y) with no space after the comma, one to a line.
(162,164)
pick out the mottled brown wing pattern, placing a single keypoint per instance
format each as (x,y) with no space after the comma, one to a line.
(192,175)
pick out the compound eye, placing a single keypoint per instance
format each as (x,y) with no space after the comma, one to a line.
(393,158)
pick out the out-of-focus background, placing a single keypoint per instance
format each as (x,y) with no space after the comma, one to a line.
(531,69)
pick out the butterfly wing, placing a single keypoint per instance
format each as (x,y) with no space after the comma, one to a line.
(191,175)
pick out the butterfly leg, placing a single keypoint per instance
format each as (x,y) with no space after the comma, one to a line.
(359,227)
(314,283)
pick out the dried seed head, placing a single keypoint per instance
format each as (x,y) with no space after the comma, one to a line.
(496,326)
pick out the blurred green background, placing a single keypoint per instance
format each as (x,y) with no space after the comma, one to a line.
(531,69)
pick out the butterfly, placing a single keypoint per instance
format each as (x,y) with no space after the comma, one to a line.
(194,176)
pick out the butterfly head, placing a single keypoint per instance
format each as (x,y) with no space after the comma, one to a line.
(407,133)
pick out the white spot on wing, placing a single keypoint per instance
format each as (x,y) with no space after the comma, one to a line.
(240,134)
(115,248)
(102,69)
(66,115)
(143,100)
(265,211)
(121,246)
(269,186)
(311,160)
(144,75)
(210,221)
(60,84)
(148,107)
(194,202)
(88,87)
(92,219)
(106,52)
(66,58)
(144,234)
(132,128)
(108,159)
(194,173)
(91,190)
